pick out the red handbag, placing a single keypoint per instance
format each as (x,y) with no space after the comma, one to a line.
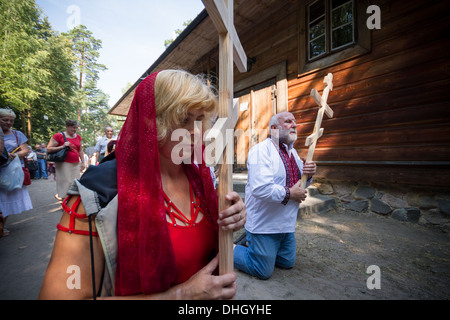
(26,176)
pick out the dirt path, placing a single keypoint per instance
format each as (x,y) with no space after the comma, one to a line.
(334,250)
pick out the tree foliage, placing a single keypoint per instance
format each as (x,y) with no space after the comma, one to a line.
(21,52)
(177,32)
(92,103)
(47,77)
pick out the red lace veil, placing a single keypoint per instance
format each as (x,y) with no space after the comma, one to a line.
(145,259)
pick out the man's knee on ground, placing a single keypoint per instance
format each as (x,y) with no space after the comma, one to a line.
(263,275)
(263,272)
(285,263)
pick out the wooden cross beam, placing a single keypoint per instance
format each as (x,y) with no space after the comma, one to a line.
(221,13)
(220,136)
(311,141)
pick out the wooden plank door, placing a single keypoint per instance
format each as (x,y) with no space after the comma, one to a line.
(256,106)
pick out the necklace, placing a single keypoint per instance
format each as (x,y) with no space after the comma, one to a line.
(175,213)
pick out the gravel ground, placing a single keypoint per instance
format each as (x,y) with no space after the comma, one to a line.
(335,249)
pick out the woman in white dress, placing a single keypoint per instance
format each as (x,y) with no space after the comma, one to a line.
(18,200)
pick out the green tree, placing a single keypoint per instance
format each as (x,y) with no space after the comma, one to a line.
(35,69)
(127,87)
(86,49)
(58,90)
(47,77)
(168,42)
(92,102)
(21,53)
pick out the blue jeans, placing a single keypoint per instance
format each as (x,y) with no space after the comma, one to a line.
(41,169)
(264,252)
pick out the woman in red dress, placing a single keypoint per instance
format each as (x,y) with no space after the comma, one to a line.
(167,213)
(70,169)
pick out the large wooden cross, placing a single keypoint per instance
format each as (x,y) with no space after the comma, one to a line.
(311,141)
(221,13)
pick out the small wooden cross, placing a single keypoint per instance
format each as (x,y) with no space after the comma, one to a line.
(221,13)
(311,141)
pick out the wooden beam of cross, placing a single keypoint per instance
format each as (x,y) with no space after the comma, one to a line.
(220,136)
(311,141)
(221,13)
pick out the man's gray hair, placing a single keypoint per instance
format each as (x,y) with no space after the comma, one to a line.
(274,121)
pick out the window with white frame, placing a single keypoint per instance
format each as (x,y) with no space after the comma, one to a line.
(330,32)
(330,27)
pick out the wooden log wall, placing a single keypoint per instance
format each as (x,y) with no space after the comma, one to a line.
(392,119)
(391,105)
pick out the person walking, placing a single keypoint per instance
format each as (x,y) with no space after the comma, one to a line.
(41,154)
(101,147)
(17,200)
(70,169)
(31,161)
(44,150)
(272,198)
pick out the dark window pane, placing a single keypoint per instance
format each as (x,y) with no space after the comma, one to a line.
(317,29)
(316,10)
(342,36)
(337,3)
(317,47)
(342,15)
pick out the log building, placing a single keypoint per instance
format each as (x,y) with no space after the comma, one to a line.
(390,99)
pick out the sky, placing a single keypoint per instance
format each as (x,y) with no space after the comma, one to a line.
(132,32)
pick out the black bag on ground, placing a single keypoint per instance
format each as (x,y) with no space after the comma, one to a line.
(58,156)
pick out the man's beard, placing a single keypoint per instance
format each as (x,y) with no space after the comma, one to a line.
(288,136)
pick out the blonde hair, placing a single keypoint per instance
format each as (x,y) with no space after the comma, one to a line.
(176,93)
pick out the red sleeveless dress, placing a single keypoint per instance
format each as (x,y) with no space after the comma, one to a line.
(194,244)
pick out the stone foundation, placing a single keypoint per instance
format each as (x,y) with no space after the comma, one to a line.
(422,205)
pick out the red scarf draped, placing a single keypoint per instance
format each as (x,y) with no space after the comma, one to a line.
(145,259)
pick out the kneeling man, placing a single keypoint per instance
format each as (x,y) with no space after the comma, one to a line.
(272,198)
